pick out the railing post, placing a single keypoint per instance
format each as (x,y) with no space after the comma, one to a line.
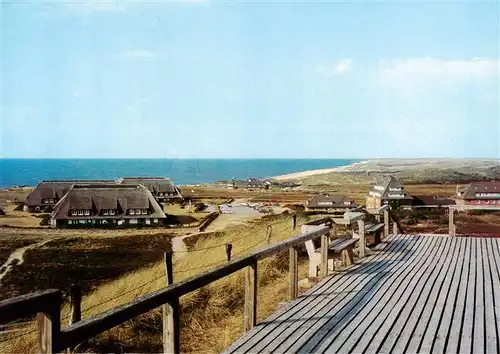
(324,255)
(451,222)
(229,247)
(269,232)
(171,319)
(294,222)
(362,243)
(250,296)
(386,223)
(294,272)
(75,296)
(49,327)
(394,228)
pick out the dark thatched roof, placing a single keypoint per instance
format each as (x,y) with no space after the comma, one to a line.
(98,197)
(56,190)
(154,184)
(334,201)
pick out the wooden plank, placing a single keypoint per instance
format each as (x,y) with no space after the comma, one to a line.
(75,299)
(386,223)
(494,258)
(451,222)
(293,273)
(457,318)
(250,297)
(447,318)
(406,291)
(490,322)
(27,305)
(426,331)
(171,316)
(466,335)
(478,329)
(355,306)
(49,325)
(324,255)
(352,332)
(412,321)
(362,241)
(271,328)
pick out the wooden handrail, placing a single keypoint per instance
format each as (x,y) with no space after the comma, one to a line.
(81,331)
(28,305)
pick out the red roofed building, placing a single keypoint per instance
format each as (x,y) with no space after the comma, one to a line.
(480,193)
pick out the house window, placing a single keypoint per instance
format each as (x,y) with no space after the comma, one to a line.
(131,212)
(478,202)
(73,212)
(87,212)
(487,202)
(80,212)
(133,221)
(144,211)
(105,212)
(112,212)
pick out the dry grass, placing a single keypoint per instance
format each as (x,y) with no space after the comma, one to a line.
(211,317)
(19,218)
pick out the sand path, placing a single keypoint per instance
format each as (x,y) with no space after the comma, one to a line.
(17,257)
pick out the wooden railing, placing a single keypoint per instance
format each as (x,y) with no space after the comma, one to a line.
(47,304)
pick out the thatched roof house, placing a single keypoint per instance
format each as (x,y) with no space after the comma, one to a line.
(329,203)
(162,188)
(111,205)
(47,193)
(387,190)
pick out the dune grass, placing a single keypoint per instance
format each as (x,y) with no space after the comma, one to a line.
(211,317)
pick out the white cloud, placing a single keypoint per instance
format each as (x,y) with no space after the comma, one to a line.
(427,70)
(139,53)
(340,67)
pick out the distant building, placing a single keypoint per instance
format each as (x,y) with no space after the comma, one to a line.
(162,188)
(47,193)
(431,201)
(388,191)
(326,203)
(480,193)
(252,183)
(107,205)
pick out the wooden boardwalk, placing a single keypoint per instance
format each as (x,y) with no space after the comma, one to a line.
(428,294)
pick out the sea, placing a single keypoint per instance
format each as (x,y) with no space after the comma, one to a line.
(28,172)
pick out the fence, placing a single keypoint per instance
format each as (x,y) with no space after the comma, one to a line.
(47,304)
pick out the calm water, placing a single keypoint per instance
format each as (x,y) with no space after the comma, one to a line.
(18,172)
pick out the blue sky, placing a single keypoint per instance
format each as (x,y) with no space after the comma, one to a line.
(250,79)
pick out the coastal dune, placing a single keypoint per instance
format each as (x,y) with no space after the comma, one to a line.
(403,165)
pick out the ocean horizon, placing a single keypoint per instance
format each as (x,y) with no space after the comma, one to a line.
(30,171)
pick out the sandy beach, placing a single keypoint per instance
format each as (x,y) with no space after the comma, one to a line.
(303,174)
